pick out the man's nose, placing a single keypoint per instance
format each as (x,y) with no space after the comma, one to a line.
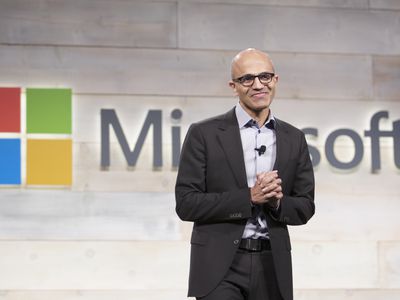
(257,85)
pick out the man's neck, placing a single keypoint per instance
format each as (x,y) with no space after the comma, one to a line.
(259,116)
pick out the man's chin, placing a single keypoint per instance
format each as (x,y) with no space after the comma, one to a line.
(260,109)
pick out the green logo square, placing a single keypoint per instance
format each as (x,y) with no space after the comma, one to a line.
(48,110)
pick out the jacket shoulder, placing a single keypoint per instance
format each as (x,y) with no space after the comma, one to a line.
(289,128)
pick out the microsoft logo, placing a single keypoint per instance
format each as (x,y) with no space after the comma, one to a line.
(35,136)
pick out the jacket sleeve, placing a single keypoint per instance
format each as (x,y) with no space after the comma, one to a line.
(194,202)
(297,205)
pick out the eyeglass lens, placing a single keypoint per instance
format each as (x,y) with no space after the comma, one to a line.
(248,79)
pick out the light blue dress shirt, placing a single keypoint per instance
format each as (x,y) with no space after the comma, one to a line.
(252,137)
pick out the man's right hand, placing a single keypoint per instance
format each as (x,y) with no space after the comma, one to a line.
(267,189)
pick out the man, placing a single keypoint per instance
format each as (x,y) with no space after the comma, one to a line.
(243,177)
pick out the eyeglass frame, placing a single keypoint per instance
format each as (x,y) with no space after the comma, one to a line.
(238,80)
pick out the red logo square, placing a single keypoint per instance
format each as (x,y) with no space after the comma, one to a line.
(10,109)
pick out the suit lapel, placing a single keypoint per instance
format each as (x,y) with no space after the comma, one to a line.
(229,137)
(283,147)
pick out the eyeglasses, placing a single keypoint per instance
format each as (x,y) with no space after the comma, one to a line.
(248,79)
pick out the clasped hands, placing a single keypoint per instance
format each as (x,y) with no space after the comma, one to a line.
(267,189)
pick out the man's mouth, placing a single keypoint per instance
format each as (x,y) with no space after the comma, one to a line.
(259,95)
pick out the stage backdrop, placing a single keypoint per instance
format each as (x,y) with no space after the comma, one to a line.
(86,195)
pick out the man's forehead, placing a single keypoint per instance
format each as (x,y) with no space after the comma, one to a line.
(252,64)
(251,60)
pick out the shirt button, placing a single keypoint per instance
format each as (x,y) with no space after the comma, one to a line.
(236,242)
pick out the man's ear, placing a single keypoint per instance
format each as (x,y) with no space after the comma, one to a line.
(233,86)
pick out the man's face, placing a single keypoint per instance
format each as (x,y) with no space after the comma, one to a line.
(257,96)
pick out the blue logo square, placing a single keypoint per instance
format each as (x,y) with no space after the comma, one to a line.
(10,161)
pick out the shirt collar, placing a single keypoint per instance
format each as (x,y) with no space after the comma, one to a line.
(243,117)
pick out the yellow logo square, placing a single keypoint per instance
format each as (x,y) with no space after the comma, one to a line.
(49,162)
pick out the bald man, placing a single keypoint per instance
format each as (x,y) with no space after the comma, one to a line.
(243,177)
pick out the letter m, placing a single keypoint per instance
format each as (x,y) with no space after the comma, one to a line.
(109,119)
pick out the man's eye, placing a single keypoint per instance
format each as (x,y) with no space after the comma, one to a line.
(265,76)
(247,78)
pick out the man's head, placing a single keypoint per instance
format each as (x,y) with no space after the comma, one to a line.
(253,80)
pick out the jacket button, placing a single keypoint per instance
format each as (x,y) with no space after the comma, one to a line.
(236,242)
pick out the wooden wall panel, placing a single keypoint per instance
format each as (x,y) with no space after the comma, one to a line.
(72,265)
(288,29)
(333,223)
(389,259)
(385,4)
(67,215)
(179,72)
(386,70)
(346,265)
(88,23)
(358,4)
(351,294)
(128,294)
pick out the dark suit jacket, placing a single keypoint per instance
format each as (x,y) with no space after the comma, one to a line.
(211,191)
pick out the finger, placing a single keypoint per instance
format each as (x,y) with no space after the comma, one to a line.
(260,177)
(270,195)
(267,173)
(272,187)
(256,191)
(274,182)
(269,178)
